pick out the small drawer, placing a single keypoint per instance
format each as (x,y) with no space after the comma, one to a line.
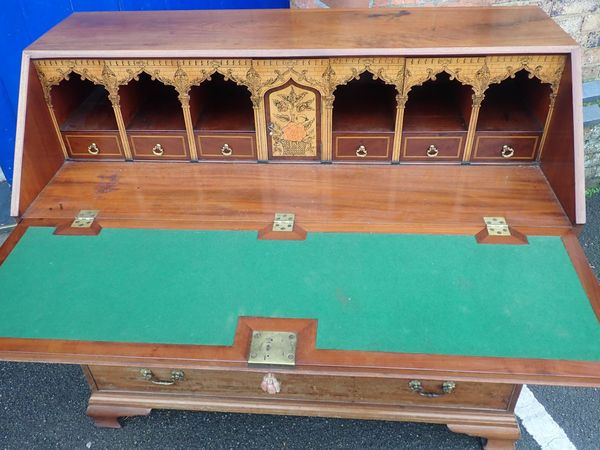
(226,146)
(245,384)
(432,148)
(363,148)
(505,148)
(93,146)
(159,146)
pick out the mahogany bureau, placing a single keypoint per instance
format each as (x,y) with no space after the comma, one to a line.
(363,214)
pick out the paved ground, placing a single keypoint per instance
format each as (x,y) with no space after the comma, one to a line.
(43,407)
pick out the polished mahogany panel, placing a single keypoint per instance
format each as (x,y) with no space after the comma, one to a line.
(294,32)
(323,196)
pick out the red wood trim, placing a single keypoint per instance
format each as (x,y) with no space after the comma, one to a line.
(13,238)
(515,238)
(584,271)
(308,358)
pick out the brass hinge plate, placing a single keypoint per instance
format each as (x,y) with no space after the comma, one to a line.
(85,218)
(284,222)
(496,226)
(273,348)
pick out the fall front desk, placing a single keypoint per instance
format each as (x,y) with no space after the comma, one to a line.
(377,226)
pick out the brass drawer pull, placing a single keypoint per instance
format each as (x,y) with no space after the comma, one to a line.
(447,388)
(361,151)
(507,151)
(93,149)
(176,375)
(226,150)
(432,151)
(158,150)
(270,384)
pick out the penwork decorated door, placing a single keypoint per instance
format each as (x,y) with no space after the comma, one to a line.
(293,119)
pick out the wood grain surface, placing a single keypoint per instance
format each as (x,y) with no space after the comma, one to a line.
(350,389)
(301,32)
(309,360)
(324,197)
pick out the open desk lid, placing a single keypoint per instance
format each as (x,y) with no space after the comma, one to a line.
(356,299)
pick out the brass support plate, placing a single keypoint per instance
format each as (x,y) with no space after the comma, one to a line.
(496,226)
(284,222)
(276,348)
(85,218)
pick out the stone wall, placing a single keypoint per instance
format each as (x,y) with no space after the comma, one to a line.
(579,18)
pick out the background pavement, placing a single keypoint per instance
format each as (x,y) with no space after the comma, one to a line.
(42,406)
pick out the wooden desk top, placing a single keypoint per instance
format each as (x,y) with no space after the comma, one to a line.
(358,198)
(294,33)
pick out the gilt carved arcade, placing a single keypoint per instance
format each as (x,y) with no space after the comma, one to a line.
(320,75)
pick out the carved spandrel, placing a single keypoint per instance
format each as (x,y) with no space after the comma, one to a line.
(466,71)
(343,70)
(481,72)
(546,68)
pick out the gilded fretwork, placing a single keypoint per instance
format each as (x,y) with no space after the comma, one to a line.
(470,71)
(322,74)
(480,72)
(546,68)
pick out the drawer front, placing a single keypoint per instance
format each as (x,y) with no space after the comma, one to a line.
(363,148)
(247,384)
(432,148)
(159,146)
(505,148)
(93,146)
(226,146)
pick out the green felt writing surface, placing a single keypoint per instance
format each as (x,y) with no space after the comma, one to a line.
(376,292)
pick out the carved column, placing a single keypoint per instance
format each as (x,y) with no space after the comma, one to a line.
(400,106)
(61,141)
(260,124)
(114,100)
(477,99)
(326,128)
(189,126)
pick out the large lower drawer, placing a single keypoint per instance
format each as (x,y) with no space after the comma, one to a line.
(330,388)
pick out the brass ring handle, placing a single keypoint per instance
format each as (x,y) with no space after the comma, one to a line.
(361,151)
(226,150)
(93,149)
(447,388)
(507,151)
(176,375)
(158,150)
(432,151)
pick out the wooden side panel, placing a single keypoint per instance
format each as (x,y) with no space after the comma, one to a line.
(42,155)
(558,159)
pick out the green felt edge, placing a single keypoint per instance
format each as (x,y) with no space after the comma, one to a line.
(430,294)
